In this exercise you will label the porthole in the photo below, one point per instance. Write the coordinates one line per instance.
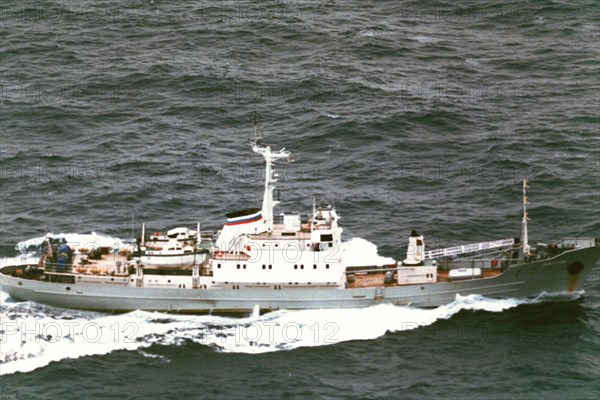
(68, 288)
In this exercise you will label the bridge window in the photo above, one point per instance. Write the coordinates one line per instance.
(327, 238)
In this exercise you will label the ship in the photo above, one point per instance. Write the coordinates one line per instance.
(265, 261)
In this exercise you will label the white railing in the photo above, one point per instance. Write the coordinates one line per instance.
(469, 248)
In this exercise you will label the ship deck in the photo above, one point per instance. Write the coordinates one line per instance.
(106, 265)
(376, 279)
(280, 233)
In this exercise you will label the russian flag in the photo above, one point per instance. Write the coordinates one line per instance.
(244, 219)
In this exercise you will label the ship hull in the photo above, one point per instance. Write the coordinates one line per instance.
(552, 275)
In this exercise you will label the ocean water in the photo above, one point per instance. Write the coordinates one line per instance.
(403, 114)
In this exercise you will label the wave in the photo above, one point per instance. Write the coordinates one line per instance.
(361, 252)
(33, 336)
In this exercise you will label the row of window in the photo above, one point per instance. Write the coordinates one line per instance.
(314, 266)
(278, 287)
(325, 242)
(243, 266)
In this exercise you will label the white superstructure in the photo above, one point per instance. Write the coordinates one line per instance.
(258, 248)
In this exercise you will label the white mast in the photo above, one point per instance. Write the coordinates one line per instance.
(270, 179)
(525, 238)
(314, 214)
(198, 234)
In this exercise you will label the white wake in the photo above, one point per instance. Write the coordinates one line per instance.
(32, 336)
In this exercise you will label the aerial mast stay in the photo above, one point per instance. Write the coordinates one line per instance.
(524, 235)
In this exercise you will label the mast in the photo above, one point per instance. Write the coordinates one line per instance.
(314, 214)
(524, 236)
(270, 178)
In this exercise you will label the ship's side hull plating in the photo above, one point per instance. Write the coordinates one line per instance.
(562, 273)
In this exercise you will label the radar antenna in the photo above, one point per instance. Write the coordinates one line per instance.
(270, 157)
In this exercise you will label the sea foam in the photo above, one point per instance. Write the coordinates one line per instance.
(33, 335)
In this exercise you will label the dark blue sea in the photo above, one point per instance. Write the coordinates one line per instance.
(402, 114)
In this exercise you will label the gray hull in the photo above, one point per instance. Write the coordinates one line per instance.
(517, 281)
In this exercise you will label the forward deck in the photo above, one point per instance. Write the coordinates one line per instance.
(377, 279)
